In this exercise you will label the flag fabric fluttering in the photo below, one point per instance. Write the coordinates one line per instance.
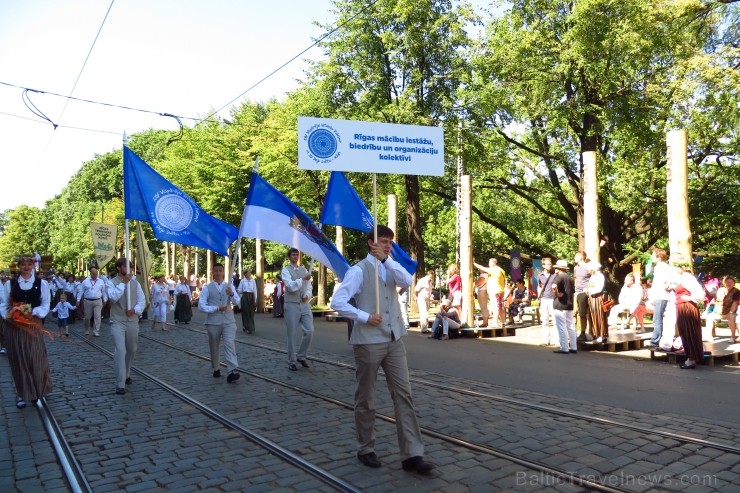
(344, 207)
(270, 215)
(173, 215)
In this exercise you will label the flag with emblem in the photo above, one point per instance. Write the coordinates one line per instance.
(344, 207)
(173, 215)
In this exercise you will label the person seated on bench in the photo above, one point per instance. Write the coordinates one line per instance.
(519, 300)
(446, 319)
(630, 301)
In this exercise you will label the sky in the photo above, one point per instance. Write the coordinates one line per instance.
(183, 57)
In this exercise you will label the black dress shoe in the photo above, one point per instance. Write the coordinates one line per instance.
(369, 459)
(233, 377)
(292, 367)
(417, 464)
(217, 374)
(560, 352)
(129, 381)
(572, 351)
(303, 363)
(120, 391)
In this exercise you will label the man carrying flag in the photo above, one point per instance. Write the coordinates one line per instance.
(376, 342)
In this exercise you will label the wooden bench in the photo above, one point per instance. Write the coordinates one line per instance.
(534, 312)
(615, 343)
(709, 356)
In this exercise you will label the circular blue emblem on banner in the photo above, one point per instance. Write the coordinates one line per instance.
(322, 143)
(173, 212)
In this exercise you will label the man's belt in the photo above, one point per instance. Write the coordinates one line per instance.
(92, 299)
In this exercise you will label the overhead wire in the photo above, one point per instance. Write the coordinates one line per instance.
(79, 74)
(178, 118)
(319, 40)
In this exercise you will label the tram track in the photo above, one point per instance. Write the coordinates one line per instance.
(530, 406)
(538, 467)
(76, 477)
(558, 474)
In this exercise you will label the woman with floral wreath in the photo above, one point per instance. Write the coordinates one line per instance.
(23, 310)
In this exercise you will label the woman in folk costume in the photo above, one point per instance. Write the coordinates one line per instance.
(689, 293)
(160, 302)
(23, 308)
(183, 302)
(278, 299)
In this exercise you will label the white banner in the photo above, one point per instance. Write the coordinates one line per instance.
(348, 145)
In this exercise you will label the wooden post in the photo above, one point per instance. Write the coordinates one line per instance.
(466, 251)
(174, 259)
(340, 239)
(393, 214)
(590, 205)
(166, 258)
(677, 194)
(209, 266)
(259, 275)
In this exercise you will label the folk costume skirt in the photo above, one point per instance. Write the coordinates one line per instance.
(688, 322)
(28, 361)
(183, 308)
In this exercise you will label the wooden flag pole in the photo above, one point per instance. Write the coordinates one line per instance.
(127, 246)
(375, 235)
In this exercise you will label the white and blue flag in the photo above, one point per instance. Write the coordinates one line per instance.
(173, 215)
(270, 215)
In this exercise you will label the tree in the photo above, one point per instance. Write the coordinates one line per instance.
(555, 79)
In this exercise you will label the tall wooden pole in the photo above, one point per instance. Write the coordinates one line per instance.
(259, 274)
(590, 205)
(393, 214)
(466, 250)
(340, 239)
(166, 258)
(677, 194)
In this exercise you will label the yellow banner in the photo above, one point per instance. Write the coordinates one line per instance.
(104, 242)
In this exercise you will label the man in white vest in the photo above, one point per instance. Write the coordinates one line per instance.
(125, 311)
(215, 301)
(297, 304)
(376, 342)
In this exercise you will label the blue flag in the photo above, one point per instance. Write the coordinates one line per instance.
(343, 207)
(270, 215)
(173, 215)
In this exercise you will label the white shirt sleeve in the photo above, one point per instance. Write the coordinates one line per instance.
(351, 285)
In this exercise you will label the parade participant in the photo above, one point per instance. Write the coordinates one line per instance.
(377, 343)
(247, 289)
(581, 275)
(215, 301)
(297, 308)
(423, 291)
(160, 302)
(688, 294)
(125, 311)
(562, 306)
(91, 295)
(278, 298)
(70, 287)
(183, 302)
(63, 309)
(23, 308)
